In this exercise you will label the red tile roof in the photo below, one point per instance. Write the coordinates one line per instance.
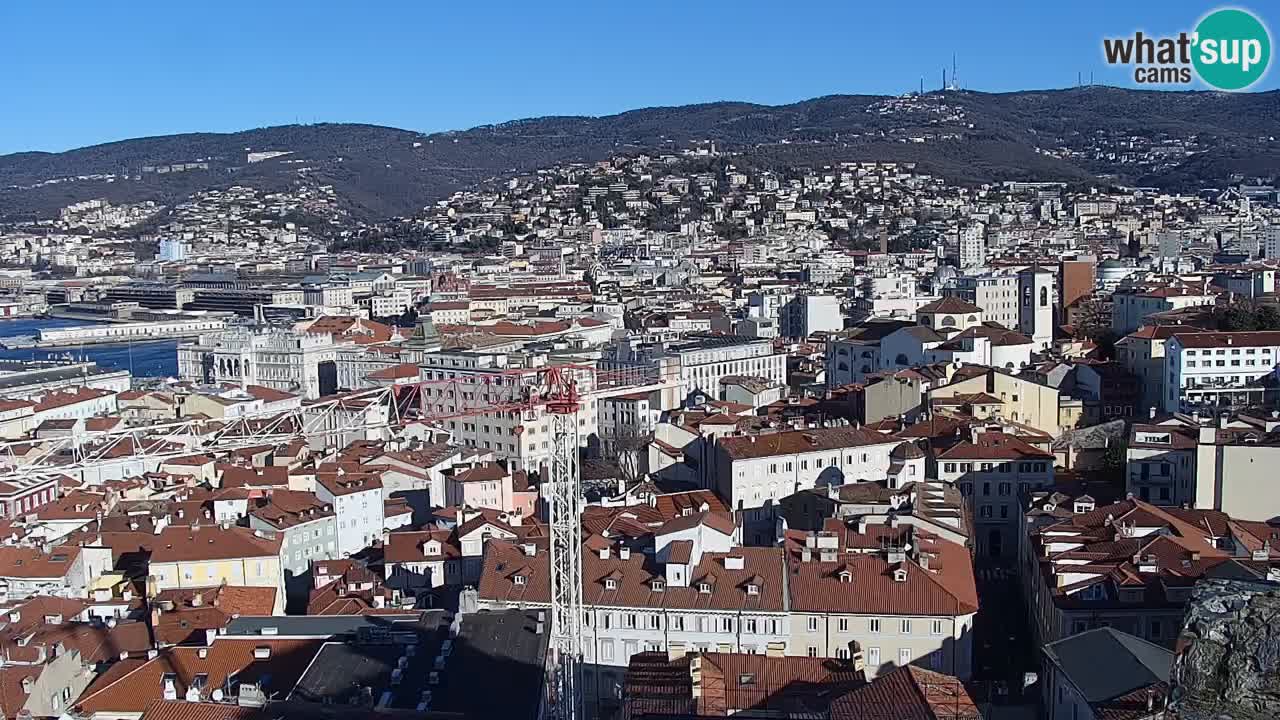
(907, 693)
(132, 686)
(800, 441)
(182, 543)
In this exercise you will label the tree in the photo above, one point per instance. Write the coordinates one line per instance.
(629, 445)
(1236, 317)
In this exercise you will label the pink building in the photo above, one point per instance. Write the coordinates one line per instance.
(490, 485)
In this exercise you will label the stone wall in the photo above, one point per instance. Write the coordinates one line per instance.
(1228, 662)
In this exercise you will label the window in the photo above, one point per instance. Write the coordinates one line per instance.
(843, 624)
(842, 653)
(750, 626)
(873, 657)
(606, 650)
(935, 627)
(904, 656)
(813, 651)
(906, 626)
(813, 624)
(874, 625)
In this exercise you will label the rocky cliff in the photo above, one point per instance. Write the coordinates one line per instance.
(1228, 663)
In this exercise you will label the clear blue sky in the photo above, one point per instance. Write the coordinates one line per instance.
(79, 72)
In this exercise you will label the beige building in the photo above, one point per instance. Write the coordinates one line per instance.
(1021, 401)
(206, 556)
(904, 594)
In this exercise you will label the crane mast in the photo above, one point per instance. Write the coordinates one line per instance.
(564, 685)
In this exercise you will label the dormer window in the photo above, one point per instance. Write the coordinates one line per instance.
(704, 588)
(900, 575)
(610, 584)
(519, 579)
(658, 585)
(846, 576)
(753, 589)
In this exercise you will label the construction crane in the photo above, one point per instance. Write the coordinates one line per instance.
(102, 455)
(565, 518)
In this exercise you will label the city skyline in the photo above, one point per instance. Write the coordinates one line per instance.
(118, 76)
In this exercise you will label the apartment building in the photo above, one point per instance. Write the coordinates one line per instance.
(755, 472)
(995, 295)
(994, 471)
(307, 528)
(1142, 352)
(356, 498)
(1218, 370)
(522, 439)
(725, 601)
(61, 570)
(1133, 308)
(1130, 565)
(198, 556)
(902, 594)
(804, 315)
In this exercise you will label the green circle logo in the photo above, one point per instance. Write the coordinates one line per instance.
(1232, 49)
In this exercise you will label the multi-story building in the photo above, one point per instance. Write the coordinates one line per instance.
(1130, 565)
(1142, 353)
(356, 499)
(1075, 285)
(899, 592)
(62, 570)
(306, 526)
(804, 315)
(1224, 463)
(1019, 399)
(1160, 463)
(994, 471)
(1105, 673)
(1133, 308)
(199, 556)
(855, 353)
(1271, 240)
(996, 295)
(523, 439)
(755, 472)
(704, 360)
(1218, 371)
(687, 595)
(971, 245)
(304, 363)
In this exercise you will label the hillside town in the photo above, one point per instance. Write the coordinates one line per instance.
(847, 441)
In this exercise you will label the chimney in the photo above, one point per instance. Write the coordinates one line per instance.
(855, 655)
